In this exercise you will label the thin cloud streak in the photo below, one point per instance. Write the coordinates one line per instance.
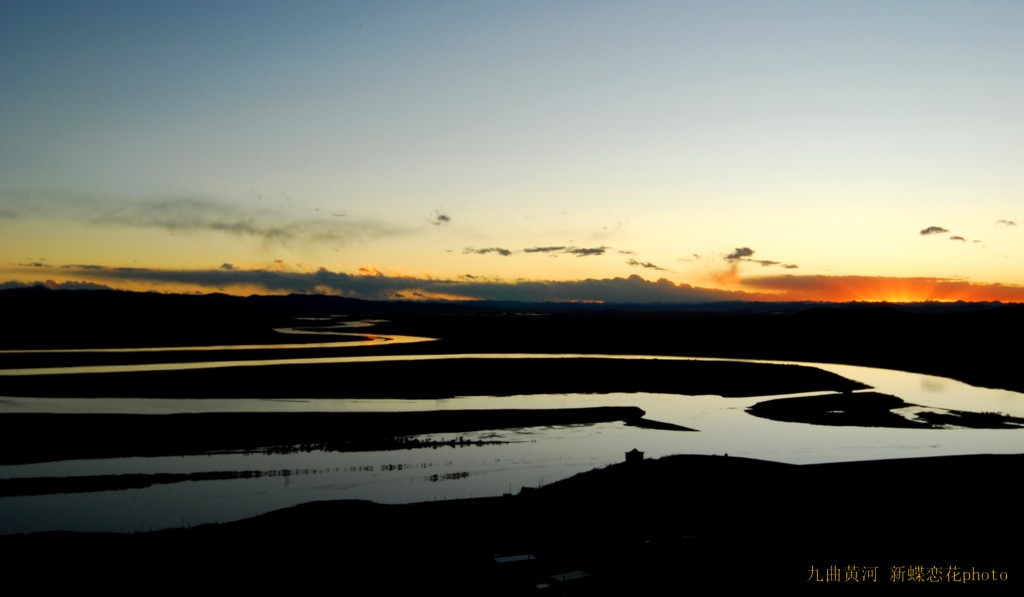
(544, 249)
(645, 264)
(195, 214)
(586, 252)
(499, 250)
(552, 251)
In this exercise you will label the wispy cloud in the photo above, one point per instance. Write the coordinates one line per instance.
(645, 264)
(499, 250)
(196, 215)
(564, 250)
(552, 251)
(1007, 222)
(80, 266)
(933, 230)
(959, 238)
(439, 217)
(745, 254)
(739, 253)
(585, 252)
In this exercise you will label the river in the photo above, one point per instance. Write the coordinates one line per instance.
(524, 457)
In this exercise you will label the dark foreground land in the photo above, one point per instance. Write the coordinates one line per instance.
(703, 525)
(681, 525)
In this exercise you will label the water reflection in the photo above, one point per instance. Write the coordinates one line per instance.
(533, 456)
(915, 388)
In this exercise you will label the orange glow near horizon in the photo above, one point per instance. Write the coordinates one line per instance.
(837, 289)
(884, 290)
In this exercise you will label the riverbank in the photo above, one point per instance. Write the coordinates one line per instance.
(680, 524)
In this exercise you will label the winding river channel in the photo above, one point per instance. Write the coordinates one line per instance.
(504, 461)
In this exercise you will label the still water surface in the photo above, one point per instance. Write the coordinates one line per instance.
(524, 458)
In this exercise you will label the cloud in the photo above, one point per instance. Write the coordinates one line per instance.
(739, 253)
(55, 285)
(586, 252)
(228, 266)
(645, 264)
(196, 215)
(439, 218)
(84, 267)
(498, 250)
(34, 264)
(933, 230)
(384, 287)
(959, 238)
(553, 251)
(1007, 222)
(563, 250)
(75, 285)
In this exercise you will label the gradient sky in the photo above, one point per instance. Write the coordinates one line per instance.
(557, 150)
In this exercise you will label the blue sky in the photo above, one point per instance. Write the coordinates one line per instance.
(510, 143)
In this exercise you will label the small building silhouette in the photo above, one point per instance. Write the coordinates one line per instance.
(634, 456)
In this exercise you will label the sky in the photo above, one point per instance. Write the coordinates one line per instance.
(558, 150)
